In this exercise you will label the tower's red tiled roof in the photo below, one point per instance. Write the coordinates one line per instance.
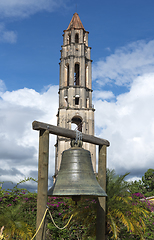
(75, 22)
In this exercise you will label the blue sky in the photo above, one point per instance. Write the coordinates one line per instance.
(121, 35)
(30, 58)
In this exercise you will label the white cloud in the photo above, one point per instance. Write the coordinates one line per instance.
(25, 8)
(6, 35)
(134, 179)
(125, 64)
(103, 94)
(2, 86)
(128, 120)
(19, 143)
(108, 49)
(128, 123)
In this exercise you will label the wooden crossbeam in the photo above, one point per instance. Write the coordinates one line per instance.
(69, 133)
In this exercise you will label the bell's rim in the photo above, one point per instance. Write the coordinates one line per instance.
(69, 192)
(75, 194)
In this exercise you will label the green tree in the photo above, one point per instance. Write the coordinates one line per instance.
(144, 186)
(148, 183)
(136, 187)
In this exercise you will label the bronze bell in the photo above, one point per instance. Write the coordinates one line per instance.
(76, 177)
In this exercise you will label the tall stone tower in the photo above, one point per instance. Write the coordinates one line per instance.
(75, 88)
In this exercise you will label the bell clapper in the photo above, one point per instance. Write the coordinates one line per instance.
(76, 198)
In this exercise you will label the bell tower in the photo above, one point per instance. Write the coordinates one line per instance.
(75, 88)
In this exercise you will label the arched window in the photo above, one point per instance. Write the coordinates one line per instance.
(76, 123)
(76, 100)
(87, 103)
(76, 74)
(69, 37)
(86, 76)
(66, 101)
(76, 38)
(68, 75)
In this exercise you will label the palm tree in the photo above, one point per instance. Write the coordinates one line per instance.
(124, 214)
(122, 211)
(14, 228)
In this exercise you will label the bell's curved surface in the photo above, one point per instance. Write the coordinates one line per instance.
(76, 176)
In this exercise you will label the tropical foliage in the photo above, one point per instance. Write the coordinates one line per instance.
(123, 211)
(126, 214)
(14, 213)
(129, 214)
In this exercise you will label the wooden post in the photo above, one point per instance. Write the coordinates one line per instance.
(101, 203)
(42, 181)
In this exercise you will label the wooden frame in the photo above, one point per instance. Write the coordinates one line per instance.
(46, 129)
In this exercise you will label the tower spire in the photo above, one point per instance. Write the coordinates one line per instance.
(75, 23)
